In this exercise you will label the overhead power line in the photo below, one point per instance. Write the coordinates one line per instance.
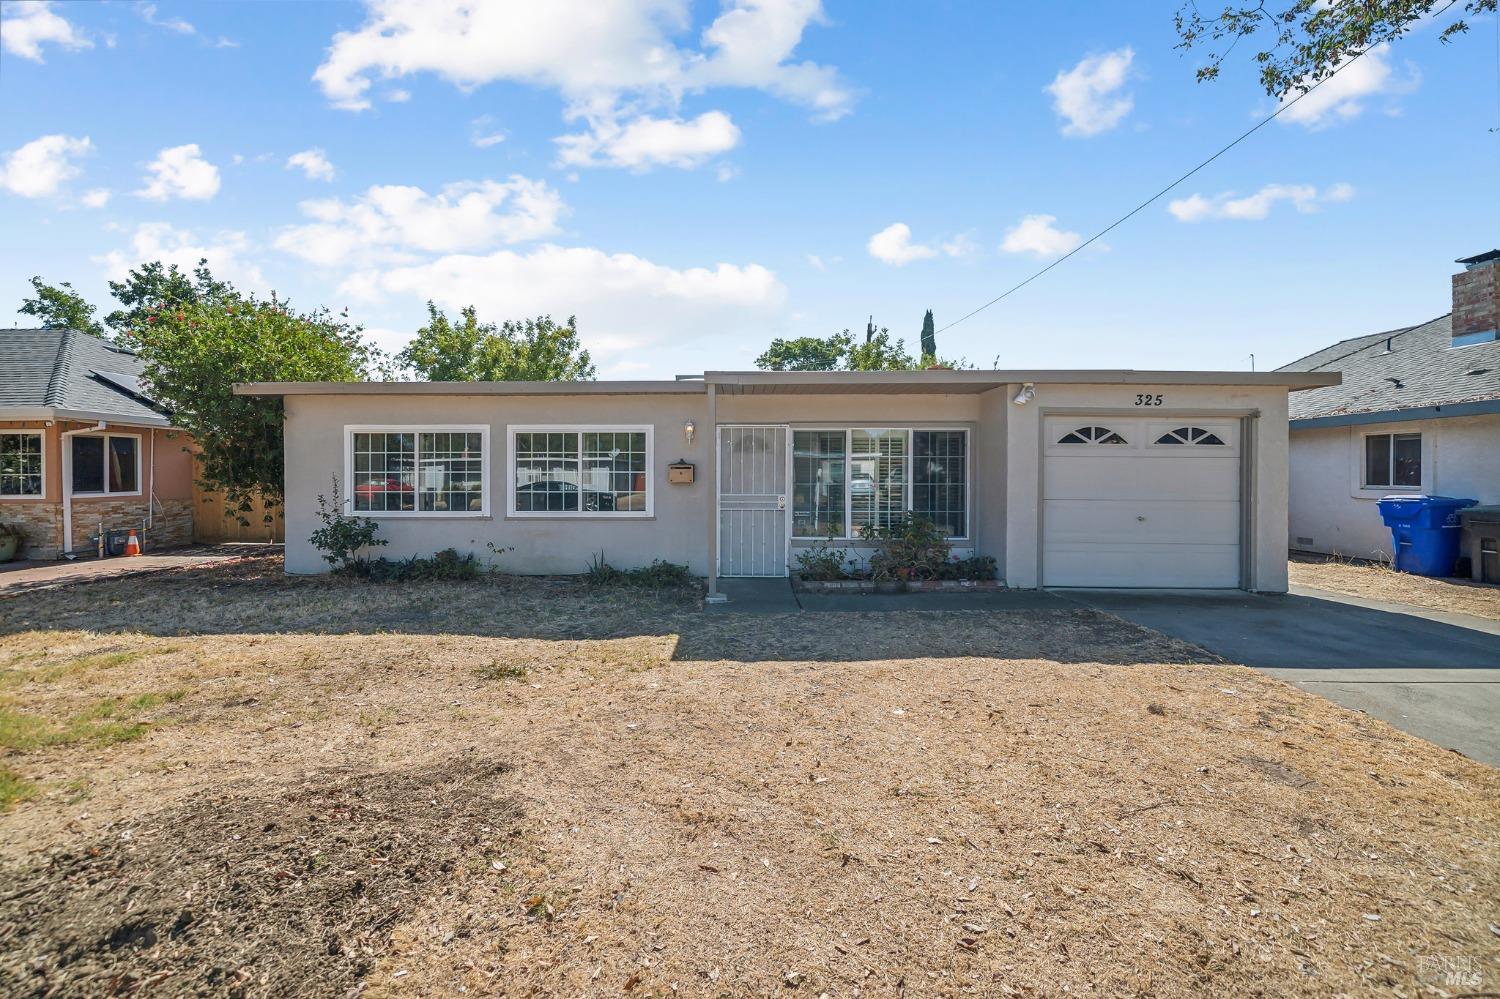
(1159, 194)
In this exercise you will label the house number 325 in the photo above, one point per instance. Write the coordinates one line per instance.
(1148, 400)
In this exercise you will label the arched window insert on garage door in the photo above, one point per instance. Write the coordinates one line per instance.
(1092, 435)
(1190, 435)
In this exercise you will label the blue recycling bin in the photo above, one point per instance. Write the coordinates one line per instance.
(1424, 532)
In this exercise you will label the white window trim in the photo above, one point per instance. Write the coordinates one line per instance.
(29, 497)
(848, 430)
(579, 428)
(1363, 488)
(418, 428)
(79, 494)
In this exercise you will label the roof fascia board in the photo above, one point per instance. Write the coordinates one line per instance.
(1290, 379)
(79, 415)
(1448, 410)
(471, 388)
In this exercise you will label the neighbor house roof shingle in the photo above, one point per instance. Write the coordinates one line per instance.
(73, 373)
(1415, 367)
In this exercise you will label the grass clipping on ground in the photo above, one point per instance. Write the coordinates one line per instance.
(876, 804)
(1381, 582)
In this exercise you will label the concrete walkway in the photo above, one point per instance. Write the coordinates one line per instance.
(23, 577)
(1434, 674)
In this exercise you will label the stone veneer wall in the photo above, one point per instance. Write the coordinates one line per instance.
(40, 523)
(172, 528)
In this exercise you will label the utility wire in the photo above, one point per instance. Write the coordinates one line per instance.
(1159, 194)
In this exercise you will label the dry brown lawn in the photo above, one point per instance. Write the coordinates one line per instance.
(1378, 582)
(243, 784)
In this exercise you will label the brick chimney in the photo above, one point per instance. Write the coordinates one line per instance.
(1476, 299)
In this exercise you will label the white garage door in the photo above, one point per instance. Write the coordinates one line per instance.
(1134, 501)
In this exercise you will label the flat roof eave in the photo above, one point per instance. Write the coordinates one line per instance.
(737, 382)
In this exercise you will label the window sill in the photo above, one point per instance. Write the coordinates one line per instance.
(105, 496)
(23, 498)
(416, 515)
(565, 517)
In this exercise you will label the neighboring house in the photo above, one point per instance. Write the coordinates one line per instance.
(1067, 478)
(81, 445)
(1418, 412)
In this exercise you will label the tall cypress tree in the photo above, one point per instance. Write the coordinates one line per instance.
(929, 337)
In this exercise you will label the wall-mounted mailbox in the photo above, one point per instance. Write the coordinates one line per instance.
(680, 473)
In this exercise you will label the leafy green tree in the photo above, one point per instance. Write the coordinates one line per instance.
(59, 307)
(929, 339)
(195, 352)
(1303, 42)
(152, 288)
(472, 351)
(879, 353)
(806, 353)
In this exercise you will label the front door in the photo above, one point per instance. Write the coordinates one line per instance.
(752, 501)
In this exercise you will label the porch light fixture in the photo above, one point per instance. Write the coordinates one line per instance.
(1027, 393)
(690, 430)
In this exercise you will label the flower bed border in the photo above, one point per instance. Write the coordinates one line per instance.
(896, 585)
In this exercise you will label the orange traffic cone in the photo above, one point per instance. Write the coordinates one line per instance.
(132, 544)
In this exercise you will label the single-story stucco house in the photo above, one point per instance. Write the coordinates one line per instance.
(1418, 412)
(82, 446)
(1067, 478)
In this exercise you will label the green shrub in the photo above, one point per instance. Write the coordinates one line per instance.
(601, 573)
(342, 538)
(660, 574)
(445, 565)
(910, 548)
(823, 561)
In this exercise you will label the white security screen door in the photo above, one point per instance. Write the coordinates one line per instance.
(752, 501)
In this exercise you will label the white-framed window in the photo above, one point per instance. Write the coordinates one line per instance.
(580, 471)
(1392, 460)
(23, 471)
(848, 478)
(105, 464)
(424, 471)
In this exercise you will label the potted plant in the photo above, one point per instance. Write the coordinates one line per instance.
(10, 542)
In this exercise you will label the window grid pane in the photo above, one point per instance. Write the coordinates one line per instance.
(546, 472)
(20, 464)
(122, 477)
(939, 469)
(1378, 460)
(384, 471)
(818, 483)
(614, 472)
(1406, 460)
(877, 477)
(452, 472)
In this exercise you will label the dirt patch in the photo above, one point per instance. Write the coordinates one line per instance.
(250, 890)
(917, 803)
(1378, 582)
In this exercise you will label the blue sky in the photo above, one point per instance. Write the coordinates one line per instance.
(693, 180)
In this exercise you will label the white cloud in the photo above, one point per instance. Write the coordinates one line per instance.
(39, 168)
(1087, 96)
(97, 198)
(893, 245)
(623, 302)
(1039, 234)
(399, 95)
(313, 163)
(1253, 207)
(646, 142)
(1343, 96)
(614, 63)
(177, 24)
(388, 223)
(483, 133)
(225, 252)
(180, 172)
(31, 25)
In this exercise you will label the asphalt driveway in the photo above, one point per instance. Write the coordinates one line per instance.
(1432, 674)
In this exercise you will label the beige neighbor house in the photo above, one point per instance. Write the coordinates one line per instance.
(83, 448)
(1067, 478)
(1418, 411)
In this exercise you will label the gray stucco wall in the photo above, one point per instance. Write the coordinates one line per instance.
(675, 532)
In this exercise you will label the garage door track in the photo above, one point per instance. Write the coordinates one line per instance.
(1432, 674)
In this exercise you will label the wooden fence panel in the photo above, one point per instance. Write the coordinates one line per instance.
(211, 525)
